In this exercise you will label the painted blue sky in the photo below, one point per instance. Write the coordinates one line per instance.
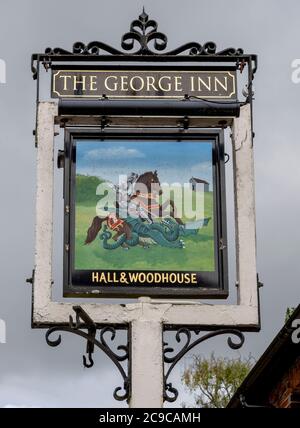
(176, 162)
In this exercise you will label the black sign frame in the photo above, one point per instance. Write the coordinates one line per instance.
(216, 284)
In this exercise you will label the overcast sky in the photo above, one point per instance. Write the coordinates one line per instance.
(33, 374)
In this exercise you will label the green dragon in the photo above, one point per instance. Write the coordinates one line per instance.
(165, 234)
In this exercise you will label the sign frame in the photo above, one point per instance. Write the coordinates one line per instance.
(220, 276)
(243, 313)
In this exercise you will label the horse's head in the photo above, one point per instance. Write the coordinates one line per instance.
(148, 183)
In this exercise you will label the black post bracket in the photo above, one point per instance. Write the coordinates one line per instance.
(189, 342)
(85, 327)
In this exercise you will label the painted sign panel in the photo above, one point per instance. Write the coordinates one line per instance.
(212, 84)
(144, 214)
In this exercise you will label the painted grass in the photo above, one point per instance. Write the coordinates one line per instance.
(197, 256)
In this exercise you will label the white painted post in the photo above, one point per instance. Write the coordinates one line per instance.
(243, 167)
(44, 214)
(146, 364)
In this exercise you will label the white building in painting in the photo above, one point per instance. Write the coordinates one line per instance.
(195, 184)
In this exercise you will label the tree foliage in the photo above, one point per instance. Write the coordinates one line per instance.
(86, 187)
(213, 381)
(289, 313)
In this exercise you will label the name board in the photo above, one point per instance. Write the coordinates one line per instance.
(148, 84)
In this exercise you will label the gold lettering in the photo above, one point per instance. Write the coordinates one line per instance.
(141, 83)
(224, 86)
(115, 84)
(65, 88)
(93, 82)
(133, 277)
(172, 278)
(142, 277)
(150, 277)
(165, 89)
(95, 276)
(164, 277)
(187, 278)
(157, 278)
(192, 83)
(79, 82)
(102, 278)
(206, 84)
(150, 82)
(124, 82)
(180, 278)
(178, 84)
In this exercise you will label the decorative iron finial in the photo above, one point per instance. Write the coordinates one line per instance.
(144, 31)
(143, 15)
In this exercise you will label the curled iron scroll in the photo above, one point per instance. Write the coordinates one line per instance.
(184, 335)
(79, 328)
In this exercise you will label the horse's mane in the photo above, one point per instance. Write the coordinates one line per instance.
(146, 179)
(141, 178)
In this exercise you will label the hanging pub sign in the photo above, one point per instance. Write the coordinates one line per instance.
(216, 83)
(145, 214)
(144, 182)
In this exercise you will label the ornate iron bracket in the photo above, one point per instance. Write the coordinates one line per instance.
(84, 322)
(171, 393)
